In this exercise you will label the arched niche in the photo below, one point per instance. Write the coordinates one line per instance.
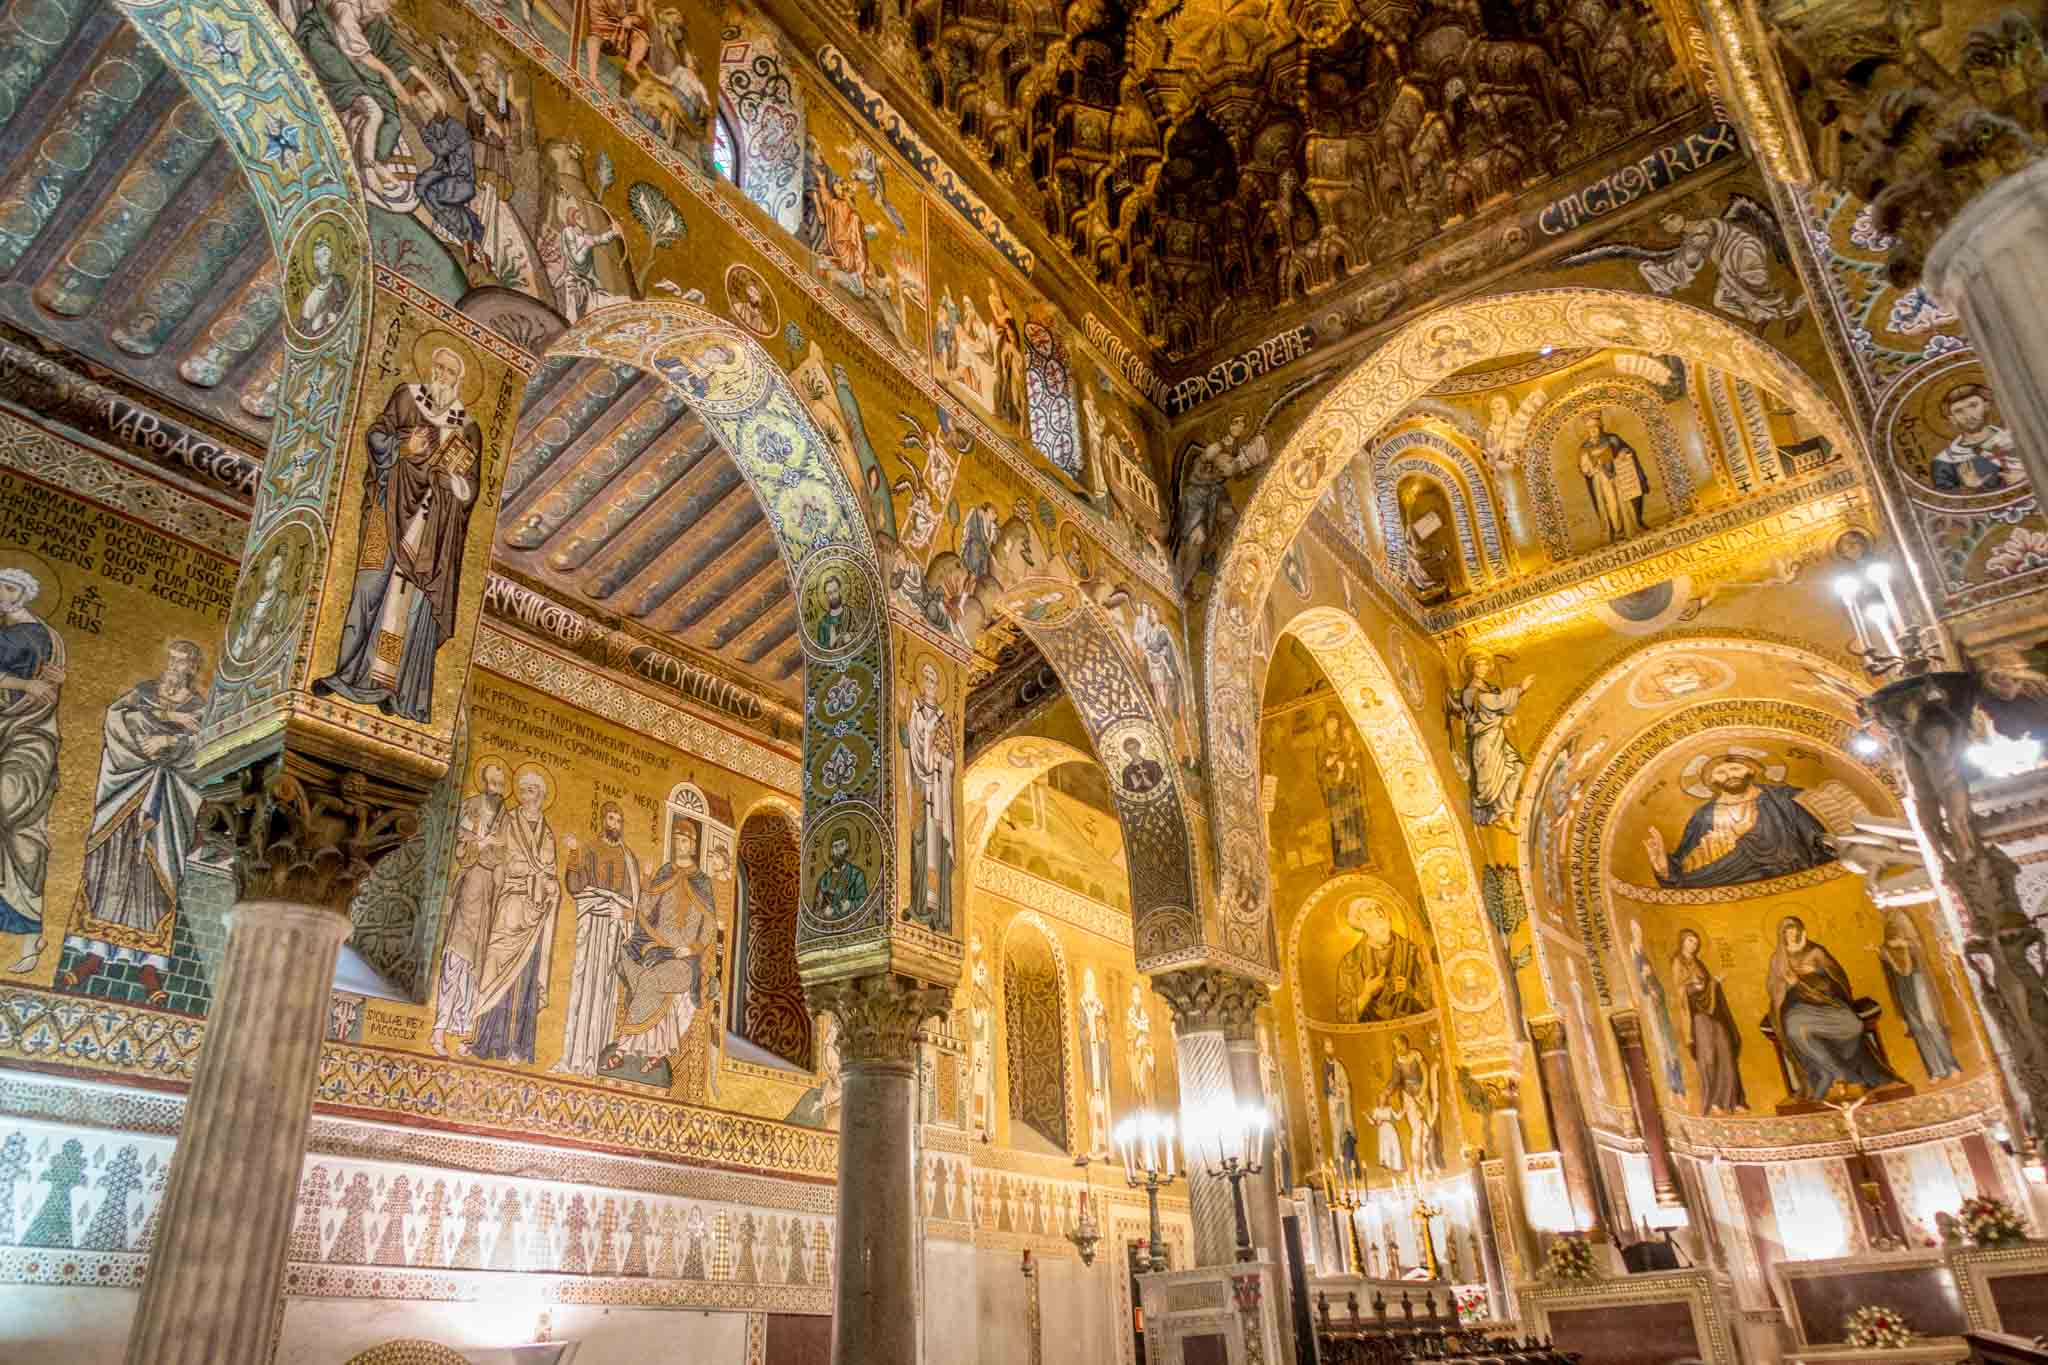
(1475, 999)
(1701, 888)
(768, 1007)
(1353, 410)
(1037, 997)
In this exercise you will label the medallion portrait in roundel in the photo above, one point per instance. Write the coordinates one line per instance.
(1947, 436)
(837, 606)
(321, 269)
(841, 867)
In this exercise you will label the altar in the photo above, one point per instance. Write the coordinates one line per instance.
(1214, 1315)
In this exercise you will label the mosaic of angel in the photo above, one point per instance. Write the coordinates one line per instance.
(1738, 247)
(1482, 748)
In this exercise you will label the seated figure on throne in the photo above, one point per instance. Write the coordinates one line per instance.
(1819, 1022)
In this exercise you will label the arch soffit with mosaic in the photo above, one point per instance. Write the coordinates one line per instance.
(998, 777)
(1484, 558)
(821, 529)
(1376, 391)
(1475, 1000)
(1159, 813)
(1345, 885)
(238, 62)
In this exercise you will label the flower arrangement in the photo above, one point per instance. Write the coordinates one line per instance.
(1991, 1222)
(1571, 1258)
(1473, 1303)
(1876, 1327)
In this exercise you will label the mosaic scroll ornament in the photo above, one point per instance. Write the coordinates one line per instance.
(1133, 748)
(1435, 840)
(747, 403)
(241, 66)
(1412, 362)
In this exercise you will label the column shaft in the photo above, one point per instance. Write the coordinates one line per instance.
(1204, 1060)
(1568, 1121)
(216, 1271)
(1504, 1135)
(1635, 1062)
(875, 1316)
(1262, 1191)
(874, 1293)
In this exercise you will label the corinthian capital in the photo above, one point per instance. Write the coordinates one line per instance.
(1204, 998)
(879, 1015)
(1547, 1033)
(1628, 1027)
(304, 830)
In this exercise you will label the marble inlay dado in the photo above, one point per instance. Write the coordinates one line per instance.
(80, 1205)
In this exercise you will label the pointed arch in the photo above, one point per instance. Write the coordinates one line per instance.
(241, 66)
(1376, 391)
(999, 776)
(821, 530)
(1126, 707)
(1476, 992)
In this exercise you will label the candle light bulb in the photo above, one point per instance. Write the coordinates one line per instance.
(1880, 573)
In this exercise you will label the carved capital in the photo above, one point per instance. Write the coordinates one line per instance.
(1628, 1028)
(1547, 1033)
(305, 830)
(1496, 1090)
(879, 1016)
(1204, 998)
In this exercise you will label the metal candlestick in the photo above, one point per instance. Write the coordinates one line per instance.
(1146, 1142)
(1234, 1141)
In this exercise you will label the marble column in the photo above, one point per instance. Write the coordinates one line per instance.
(1215, 1029)
(304, 834)
(1642, 1091)
(1568, 1121)
(1489, 1267)
(1211, 1009)
(1990, 265)
(1503, 1092)
(875, 1308)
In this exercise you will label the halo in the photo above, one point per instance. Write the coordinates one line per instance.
(476, 771)
(1756, 760)
(50, 596)
(1934, 411)
(423, 361)
(523, 769)
(1900, 913)
(913, 674)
